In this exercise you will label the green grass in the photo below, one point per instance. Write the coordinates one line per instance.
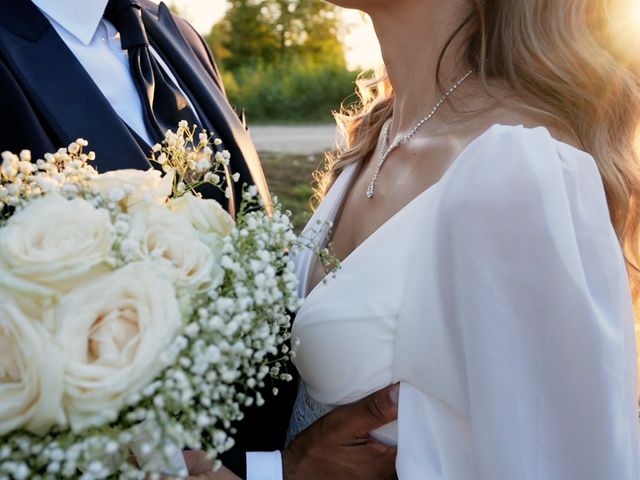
(290, 179)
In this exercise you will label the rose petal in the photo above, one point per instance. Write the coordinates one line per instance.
(113, 331)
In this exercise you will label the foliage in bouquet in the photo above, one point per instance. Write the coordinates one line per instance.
(134, 314)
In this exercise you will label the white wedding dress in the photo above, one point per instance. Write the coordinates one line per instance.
(498, 298)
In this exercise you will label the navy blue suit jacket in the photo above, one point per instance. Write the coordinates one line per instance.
(48, 100)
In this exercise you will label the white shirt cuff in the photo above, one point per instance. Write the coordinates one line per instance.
(264, 466)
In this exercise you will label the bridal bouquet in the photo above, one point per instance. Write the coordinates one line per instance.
(134, 315)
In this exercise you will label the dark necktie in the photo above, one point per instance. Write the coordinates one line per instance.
(164, 106)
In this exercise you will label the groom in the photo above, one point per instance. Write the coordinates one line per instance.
(119, 73)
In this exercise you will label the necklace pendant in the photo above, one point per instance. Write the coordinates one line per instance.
(371, 190)
(385, 152)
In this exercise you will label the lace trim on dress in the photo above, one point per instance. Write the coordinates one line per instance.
(305, 412)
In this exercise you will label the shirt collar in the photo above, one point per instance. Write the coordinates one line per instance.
(79, 17)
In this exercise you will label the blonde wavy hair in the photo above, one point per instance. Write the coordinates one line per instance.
(573, 60)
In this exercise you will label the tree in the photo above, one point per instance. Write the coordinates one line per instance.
(324, 32)
(264, 32)
(242, 38)
(306, 28)
(282, 60)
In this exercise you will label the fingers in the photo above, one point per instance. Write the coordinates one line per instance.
(382, 406)
(221, 474)
(197, 462)
(201, 468)
(340, 442)
(381, 458)
(365, 460)
(224, 474)
(372, 412)
(383, 451)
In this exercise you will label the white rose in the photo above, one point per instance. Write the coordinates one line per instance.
(30, 373)
(57, 242)
(135, 186)
(34, 300)
(113, 332)
(170, 240)
(206, 216)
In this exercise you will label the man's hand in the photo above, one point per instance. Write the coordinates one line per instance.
(339, 445)
(201, 468)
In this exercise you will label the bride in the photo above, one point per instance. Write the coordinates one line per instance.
(486, 213)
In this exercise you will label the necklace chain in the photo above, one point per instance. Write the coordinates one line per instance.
(386, 152)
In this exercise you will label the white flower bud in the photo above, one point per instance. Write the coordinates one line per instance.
(9, 166)
(203, 165)
(73, 148)
(25, 155)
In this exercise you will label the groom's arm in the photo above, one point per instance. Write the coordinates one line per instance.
(201, 50)
(336, 446)
(21, 125)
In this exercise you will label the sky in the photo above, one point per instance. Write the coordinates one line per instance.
(362, 46)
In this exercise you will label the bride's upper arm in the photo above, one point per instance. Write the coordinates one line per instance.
(542, 303)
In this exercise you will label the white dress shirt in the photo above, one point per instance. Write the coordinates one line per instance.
(96, 44)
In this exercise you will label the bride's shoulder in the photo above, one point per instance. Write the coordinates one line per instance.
(515, 125)
(510, 138)
(518, 161)
(502, 107)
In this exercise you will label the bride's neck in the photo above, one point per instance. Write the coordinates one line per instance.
(412, 35)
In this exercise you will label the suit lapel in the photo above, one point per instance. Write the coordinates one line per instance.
(201, 86)
(63, 92)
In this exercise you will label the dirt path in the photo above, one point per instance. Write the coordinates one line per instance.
(294, 139)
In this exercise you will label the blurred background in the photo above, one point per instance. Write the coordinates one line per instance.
(288, 64)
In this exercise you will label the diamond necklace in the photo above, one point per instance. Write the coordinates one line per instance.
(385, 152)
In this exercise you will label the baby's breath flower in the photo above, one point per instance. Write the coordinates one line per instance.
(9, 168)
(203, 165)
(73, 148)
(233, 333)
